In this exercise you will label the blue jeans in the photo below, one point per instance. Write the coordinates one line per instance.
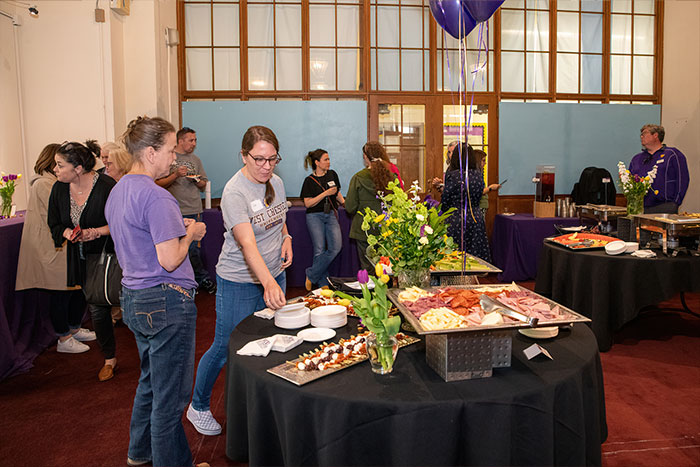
(327, 241)
(163, 322)
(235, 301)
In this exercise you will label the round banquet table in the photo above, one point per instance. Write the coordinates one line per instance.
(611, 290)
(537, 412)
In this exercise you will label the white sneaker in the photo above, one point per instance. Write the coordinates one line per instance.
(71, 345)
(203, 421)
(84, 335)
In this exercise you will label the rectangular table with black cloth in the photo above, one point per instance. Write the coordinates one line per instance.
(345, 264)
(516, 242)
(25, 325)
(537, 412)
(611, 290)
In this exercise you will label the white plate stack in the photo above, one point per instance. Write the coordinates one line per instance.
(329, 316)
(293, 316)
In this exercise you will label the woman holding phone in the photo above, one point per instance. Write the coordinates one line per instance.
(77, 218)
(250, 274)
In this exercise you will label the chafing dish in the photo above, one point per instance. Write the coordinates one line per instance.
(669, 226)
(601, 212)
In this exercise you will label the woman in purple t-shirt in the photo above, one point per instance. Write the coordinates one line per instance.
(151, 240)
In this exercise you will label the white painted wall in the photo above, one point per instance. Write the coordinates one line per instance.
(680, 110)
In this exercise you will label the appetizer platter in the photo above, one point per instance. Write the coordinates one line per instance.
(452, 264)
(583, 241)
(479, 308)
(325, 296)
(329, 358)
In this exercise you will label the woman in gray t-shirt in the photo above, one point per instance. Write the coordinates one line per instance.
(250, 274)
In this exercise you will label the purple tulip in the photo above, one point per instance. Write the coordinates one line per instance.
(5, 178)
(362, 276)
(422, 230)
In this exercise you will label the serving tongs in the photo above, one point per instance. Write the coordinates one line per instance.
(490, 304)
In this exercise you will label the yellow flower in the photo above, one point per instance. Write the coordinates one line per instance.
(386, 233)
(379, 218)
(379, 269)
(19, 176)
(646, 178)
(384, 278)
(656, 192)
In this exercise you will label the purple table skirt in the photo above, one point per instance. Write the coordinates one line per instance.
(517, 240)
(345, 264)
(25, 325)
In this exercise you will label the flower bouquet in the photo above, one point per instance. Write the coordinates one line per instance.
(7, 189)
(373, 309)
(635, 187)
(411, 234)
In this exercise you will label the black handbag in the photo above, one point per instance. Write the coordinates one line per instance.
(104, 279)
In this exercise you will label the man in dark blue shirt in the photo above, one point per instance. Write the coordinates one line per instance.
(672, 176)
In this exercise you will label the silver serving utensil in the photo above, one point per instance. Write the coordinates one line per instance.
(489, 304)
(295, 300)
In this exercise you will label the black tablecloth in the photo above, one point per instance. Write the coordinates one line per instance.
(345, 264)
(612, 289)
(538, 412)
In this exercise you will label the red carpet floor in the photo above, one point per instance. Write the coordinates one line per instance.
(58, 414)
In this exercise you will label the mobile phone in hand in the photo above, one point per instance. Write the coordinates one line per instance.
(77, 231)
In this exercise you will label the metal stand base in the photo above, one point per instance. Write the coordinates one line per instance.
(468, 355)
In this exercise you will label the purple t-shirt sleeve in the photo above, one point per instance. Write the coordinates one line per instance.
(164, 219)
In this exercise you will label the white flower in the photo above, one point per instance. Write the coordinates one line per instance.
(423, 240)
(420, 217)
(428, 229)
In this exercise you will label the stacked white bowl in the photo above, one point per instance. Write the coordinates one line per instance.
(329, 316)
(293, 316)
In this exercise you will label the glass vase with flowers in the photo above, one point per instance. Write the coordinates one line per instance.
(410, 233)
(635, 187)
(8, 183)
(373, 309)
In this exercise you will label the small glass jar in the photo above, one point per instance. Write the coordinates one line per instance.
(382, 353)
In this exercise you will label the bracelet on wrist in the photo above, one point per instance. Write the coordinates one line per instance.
(287, 236)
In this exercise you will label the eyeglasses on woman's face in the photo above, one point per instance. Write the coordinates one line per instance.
(261, 161)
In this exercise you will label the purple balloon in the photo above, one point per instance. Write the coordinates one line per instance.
(481, 10)
(452, 17)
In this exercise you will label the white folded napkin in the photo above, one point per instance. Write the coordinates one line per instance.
(285, 342)
(644, 254)
(265, 313)
(257, 348)
(262, 347)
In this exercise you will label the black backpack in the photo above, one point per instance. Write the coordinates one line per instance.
(591, 189)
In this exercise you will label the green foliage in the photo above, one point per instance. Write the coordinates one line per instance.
(411, 234)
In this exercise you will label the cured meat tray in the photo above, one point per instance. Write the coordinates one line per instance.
(289, 370)
(583, 241)
(568, 316)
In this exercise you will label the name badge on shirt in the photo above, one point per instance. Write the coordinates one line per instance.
(331, 183)
(256, 205)
(660, 161)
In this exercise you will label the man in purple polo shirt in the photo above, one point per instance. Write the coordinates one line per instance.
(672, 176)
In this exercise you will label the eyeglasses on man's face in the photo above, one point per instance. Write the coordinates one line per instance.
(261, 161)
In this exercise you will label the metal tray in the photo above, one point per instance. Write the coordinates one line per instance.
(601, 212)
(288, 370)
(393, 295)
(584, 235)
(485, 267)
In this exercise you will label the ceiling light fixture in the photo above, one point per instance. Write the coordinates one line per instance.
(33, 10)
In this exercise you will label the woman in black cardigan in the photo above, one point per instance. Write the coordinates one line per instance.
(78, 198)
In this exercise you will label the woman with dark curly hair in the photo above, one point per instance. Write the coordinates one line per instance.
(77, 219)
(362, 194)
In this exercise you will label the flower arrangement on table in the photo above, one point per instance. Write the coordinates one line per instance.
(635, 187)
(410, 233)
(7, 189)
(373, 309)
